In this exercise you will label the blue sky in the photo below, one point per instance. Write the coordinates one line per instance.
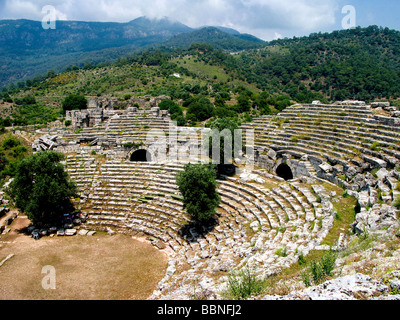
(267, 19)
(381, 13)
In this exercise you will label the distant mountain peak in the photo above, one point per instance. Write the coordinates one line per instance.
(224, 29)
(150, 20)
(216, 37)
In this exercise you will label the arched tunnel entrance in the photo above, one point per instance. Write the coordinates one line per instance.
(284, 172)
(141, 156)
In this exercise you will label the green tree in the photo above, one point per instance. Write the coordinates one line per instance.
(3, 161)
(243, 104)
(174, 110)
(10, 143)
(41, 187)
(198, 186)
(74, 102)
(201, 109)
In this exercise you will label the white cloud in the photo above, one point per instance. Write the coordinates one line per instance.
(21, 9)
(260, 17)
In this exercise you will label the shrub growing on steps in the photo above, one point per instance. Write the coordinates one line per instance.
(198, 186)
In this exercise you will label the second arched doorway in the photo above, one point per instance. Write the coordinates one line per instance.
(284, 172)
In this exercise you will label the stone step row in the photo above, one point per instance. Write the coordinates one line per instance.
(347, 138)
(328, 112)
(356, 123)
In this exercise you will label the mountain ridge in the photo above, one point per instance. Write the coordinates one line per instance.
(215, 37)
(27, 50)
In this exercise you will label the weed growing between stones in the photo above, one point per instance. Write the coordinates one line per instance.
(320, 270)
(244, 284)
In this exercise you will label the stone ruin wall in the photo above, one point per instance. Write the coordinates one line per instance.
(102, 109)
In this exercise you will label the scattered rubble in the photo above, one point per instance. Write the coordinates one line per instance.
(44, 143)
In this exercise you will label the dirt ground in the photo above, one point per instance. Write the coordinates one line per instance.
(99, 267)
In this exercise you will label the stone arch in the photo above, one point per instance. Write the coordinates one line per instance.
(284, 171)
(141, 155)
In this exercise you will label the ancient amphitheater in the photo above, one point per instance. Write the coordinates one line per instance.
(278, 205)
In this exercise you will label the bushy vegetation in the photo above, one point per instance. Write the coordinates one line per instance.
(396, 203)
(33, 114)
(174, 110)
(41, 187)
(74, 102)
(244, 284)
(27, 100)
(12, 151)
(333, 66)
(27, 110)
(320, 270)
(199, 109)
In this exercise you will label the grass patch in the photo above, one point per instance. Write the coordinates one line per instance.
(177, 197)
(244, 284)
(281, 252)
(375, 146)
(396, 203)
(299, 270)
(360, 243)
(203, 69)
(344, 217)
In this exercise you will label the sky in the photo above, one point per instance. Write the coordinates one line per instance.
(266, 19)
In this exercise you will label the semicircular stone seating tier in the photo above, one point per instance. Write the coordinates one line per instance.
(256, 221)
(347, 145)
(335, 133)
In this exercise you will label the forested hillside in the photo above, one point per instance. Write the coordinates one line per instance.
(28, 50)
(361, 64)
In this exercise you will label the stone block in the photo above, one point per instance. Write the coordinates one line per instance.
(83, 232)
(326, 167)
(382, 173)
(70, 232)
(271, 154)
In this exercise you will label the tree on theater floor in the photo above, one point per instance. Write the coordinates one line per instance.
(41, 187)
